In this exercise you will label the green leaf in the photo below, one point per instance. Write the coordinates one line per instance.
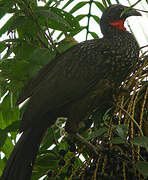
(81, 16)
(5, 5)
(6, 26)
(7, 147)
(73, 33)
(109, 2)
(78, 6)
(13, 127)
(49, 3)
(142, 166)
(26, 27)
(2, 46)
(122, 131)
(97, 133)
(94, 35)
(60, 35)
(47, 160)
(3, 136)
(8, 53)
(54, 21)
(140, 141)
(2, 122)
(41, 56)
(96, 18)
(117, 140)
(23, 50)
(99, 5)
(67, 4)
(14, 69)
(49, 139)
(17, 22)
(2, 165)
(70, 19)
(104, 3)
(10, 113)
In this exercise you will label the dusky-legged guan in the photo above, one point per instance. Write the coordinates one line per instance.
(73, 84)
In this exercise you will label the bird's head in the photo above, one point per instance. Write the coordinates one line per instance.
(114, 16)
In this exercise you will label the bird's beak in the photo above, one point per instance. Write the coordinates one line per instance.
(130, 12)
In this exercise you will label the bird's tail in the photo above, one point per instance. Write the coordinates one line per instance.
(20, 163)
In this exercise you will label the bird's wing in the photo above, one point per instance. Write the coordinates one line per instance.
(75, 72)
(33, 83)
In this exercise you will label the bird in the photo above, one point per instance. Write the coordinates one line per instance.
(75, 82)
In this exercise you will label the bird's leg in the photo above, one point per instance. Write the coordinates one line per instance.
(72, 127)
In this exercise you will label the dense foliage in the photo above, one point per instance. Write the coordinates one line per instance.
(35, 35)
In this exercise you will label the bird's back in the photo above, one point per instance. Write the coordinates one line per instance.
(78, 71)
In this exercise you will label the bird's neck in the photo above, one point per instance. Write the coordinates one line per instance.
(118, 24)
(113, 31)
(110, 28)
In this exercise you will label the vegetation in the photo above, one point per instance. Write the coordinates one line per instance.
(35, 35)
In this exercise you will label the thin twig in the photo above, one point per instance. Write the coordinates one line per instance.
(132, 119)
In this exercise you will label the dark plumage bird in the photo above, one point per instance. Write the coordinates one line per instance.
(73, 84)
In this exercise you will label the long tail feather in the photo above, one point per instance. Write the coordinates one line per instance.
(20, 163)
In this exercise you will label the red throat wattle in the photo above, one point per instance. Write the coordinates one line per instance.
(118, 24)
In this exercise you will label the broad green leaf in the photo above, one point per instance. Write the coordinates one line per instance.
(72, 33)
(23, 50)
(13, 127)
(17, 22)
(140, 141)
(5, 6)
(78, 6)
(10, 114)
(118, 140)
(7, 147)
(14, 69)
(3, 136)
(97, 133)
(58, 19)
(99, 5)
(2, 165)
(70, 19)
(47, 160)
(49, 139)
(54, 21)
(122, 131)
(27, 27)
(142, 166)
(41, 56)
(2, 122)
